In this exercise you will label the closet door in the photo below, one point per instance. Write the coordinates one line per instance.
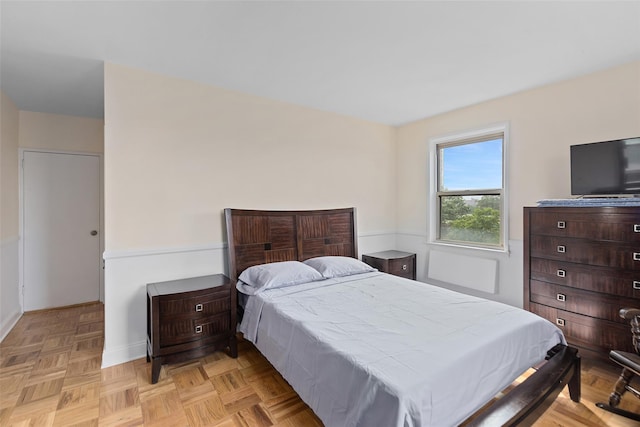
(61, 217)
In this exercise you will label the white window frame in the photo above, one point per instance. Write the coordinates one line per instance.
(433, 208)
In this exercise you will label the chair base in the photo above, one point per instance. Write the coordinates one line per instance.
(627, 414)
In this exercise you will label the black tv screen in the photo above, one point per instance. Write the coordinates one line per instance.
(606, 168)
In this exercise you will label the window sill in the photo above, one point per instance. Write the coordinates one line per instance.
(485, 249)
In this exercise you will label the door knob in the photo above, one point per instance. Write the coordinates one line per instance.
(94, 232)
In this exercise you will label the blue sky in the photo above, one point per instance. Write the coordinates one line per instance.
(473, 166)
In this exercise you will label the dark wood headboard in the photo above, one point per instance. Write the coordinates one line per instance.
(259, 237)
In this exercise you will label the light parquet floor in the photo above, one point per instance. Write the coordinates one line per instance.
(50, 376)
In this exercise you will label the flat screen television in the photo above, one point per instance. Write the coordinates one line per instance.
(606, 168)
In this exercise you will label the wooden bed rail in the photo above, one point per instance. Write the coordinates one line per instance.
(523, 405)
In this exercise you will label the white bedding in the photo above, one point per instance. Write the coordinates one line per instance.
(379, 350)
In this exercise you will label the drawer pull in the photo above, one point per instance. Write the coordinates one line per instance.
(561, 249)
(198, 307)
(561, 273)
(636, 284)
(198, 329)
(636, 256)
(404, 267)
(636, 228)
(561, 297)
(561, 224)
(560, 322)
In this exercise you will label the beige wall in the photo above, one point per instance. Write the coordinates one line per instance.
(61, 133)
(9, 205)
(9, 164)
(544, 122)
(177, 153)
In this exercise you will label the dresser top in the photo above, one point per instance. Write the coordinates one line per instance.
(187, 285)
(390, 254)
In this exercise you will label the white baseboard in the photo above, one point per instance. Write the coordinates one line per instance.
(118, 355)
(128, 272)
(8, 324)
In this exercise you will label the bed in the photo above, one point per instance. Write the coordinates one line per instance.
(364, 348)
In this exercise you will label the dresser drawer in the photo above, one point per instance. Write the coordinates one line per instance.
(211, 303)
(191, 329)
(624, 283)
(599, 253)
(591, 304)
(587, 331)
(587, 225)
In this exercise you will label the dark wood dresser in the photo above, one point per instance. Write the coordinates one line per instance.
(189, 318)
(398, 263)
(581, 265)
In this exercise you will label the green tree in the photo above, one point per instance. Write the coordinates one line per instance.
(492, 202)
(482, 225)
(453, 207)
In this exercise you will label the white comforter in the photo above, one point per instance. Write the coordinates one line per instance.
(378, 350)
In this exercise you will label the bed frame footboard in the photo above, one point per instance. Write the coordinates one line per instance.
(523, 405)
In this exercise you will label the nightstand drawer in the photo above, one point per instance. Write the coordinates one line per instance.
(185, 330)
(403, 267)
(206, 304)
(398, 263)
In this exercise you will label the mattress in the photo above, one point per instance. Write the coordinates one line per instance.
(379, 350)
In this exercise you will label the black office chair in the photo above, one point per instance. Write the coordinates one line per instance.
(630, 367)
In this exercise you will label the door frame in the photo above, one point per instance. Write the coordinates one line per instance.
(21, 213)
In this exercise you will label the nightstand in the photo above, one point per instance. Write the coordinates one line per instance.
(189, 318)
(398, 263)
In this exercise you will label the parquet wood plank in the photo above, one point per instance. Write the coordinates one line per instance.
(164, 409)
(84, 366)
(220, 366)
(79, 396)
(206, 411)
(71, 381)
(239, 399)
(40, 388)
(129, 417)
(287, 406)
(40, 419)
(58, 344)
(118, 401)
(81, 415)
(11, 387)
(193, 387)
(50, 375)
(256, 415)
(44, 408)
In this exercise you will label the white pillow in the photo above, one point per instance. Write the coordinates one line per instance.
(275, 275)
(338, 266)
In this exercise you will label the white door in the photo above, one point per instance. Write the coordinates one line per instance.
(61, 217)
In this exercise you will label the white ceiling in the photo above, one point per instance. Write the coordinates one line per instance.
(385, 61)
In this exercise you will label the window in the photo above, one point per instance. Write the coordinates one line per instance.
(468, 189)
